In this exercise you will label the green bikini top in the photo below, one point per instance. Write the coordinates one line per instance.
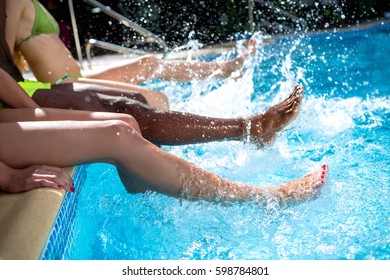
(44, 23)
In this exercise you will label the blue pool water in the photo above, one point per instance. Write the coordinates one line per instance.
(344, 123)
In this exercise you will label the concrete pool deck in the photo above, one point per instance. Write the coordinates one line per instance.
(26, 220)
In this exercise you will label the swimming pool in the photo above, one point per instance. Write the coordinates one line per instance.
(344, 122)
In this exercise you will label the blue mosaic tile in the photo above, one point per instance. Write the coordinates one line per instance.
(58, 240)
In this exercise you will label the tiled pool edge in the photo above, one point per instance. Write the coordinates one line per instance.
(58, 242)
(26, 220)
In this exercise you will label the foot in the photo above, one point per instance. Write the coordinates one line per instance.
(236, 64)
(301, 189)
(263, 128)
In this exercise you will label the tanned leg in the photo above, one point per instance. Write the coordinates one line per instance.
(172, 127)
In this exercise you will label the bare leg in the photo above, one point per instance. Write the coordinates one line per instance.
(70, 143)
(50, 114)
(159, 127)
(171, 127)
(183, 71)
(155, 99)
(151, 67)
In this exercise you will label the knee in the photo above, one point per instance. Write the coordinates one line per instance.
(160, 102)
(130, 121)
(149, 61)
(164, 99)
(123, 130)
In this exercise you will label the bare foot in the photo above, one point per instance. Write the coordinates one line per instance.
(263, 128)
(301, 189)
(237, 63)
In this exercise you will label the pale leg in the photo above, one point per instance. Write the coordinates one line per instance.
(150, 67)
(70, 143)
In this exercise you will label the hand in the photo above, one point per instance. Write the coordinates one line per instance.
(36, 176)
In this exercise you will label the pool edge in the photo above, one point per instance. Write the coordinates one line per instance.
(26, 221)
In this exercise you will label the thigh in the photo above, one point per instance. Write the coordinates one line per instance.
(134, 72)
(52, 114)
(154, 99)
(106, 88)
(54, 143)
(71, 96)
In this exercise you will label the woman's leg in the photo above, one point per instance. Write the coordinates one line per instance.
(70, 143)
(155, 99)
(151, 67)
(172, 127)
(50, 114)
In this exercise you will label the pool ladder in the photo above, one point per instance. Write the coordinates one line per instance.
(109, 46)
(154, 38)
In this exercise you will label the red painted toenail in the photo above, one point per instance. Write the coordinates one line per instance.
(324, 166)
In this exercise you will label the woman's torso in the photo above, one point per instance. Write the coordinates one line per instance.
(47, 56)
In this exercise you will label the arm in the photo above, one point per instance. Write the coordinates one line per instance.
(20, 180)
(12, 94)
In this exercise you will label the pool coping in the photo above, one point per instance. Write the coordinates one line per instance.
(26, 220)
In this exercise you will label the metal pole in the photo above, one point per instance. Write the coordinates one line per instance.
(125, 21)
(250, 12)
(75, 32)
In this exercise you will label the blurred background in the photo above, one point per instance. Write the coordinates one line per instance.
(210, 22)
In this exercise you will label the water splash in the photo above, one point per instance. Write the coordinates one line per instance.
(343, 124)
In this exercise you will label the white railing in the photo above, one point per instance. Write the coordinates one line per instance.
(109, 46)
